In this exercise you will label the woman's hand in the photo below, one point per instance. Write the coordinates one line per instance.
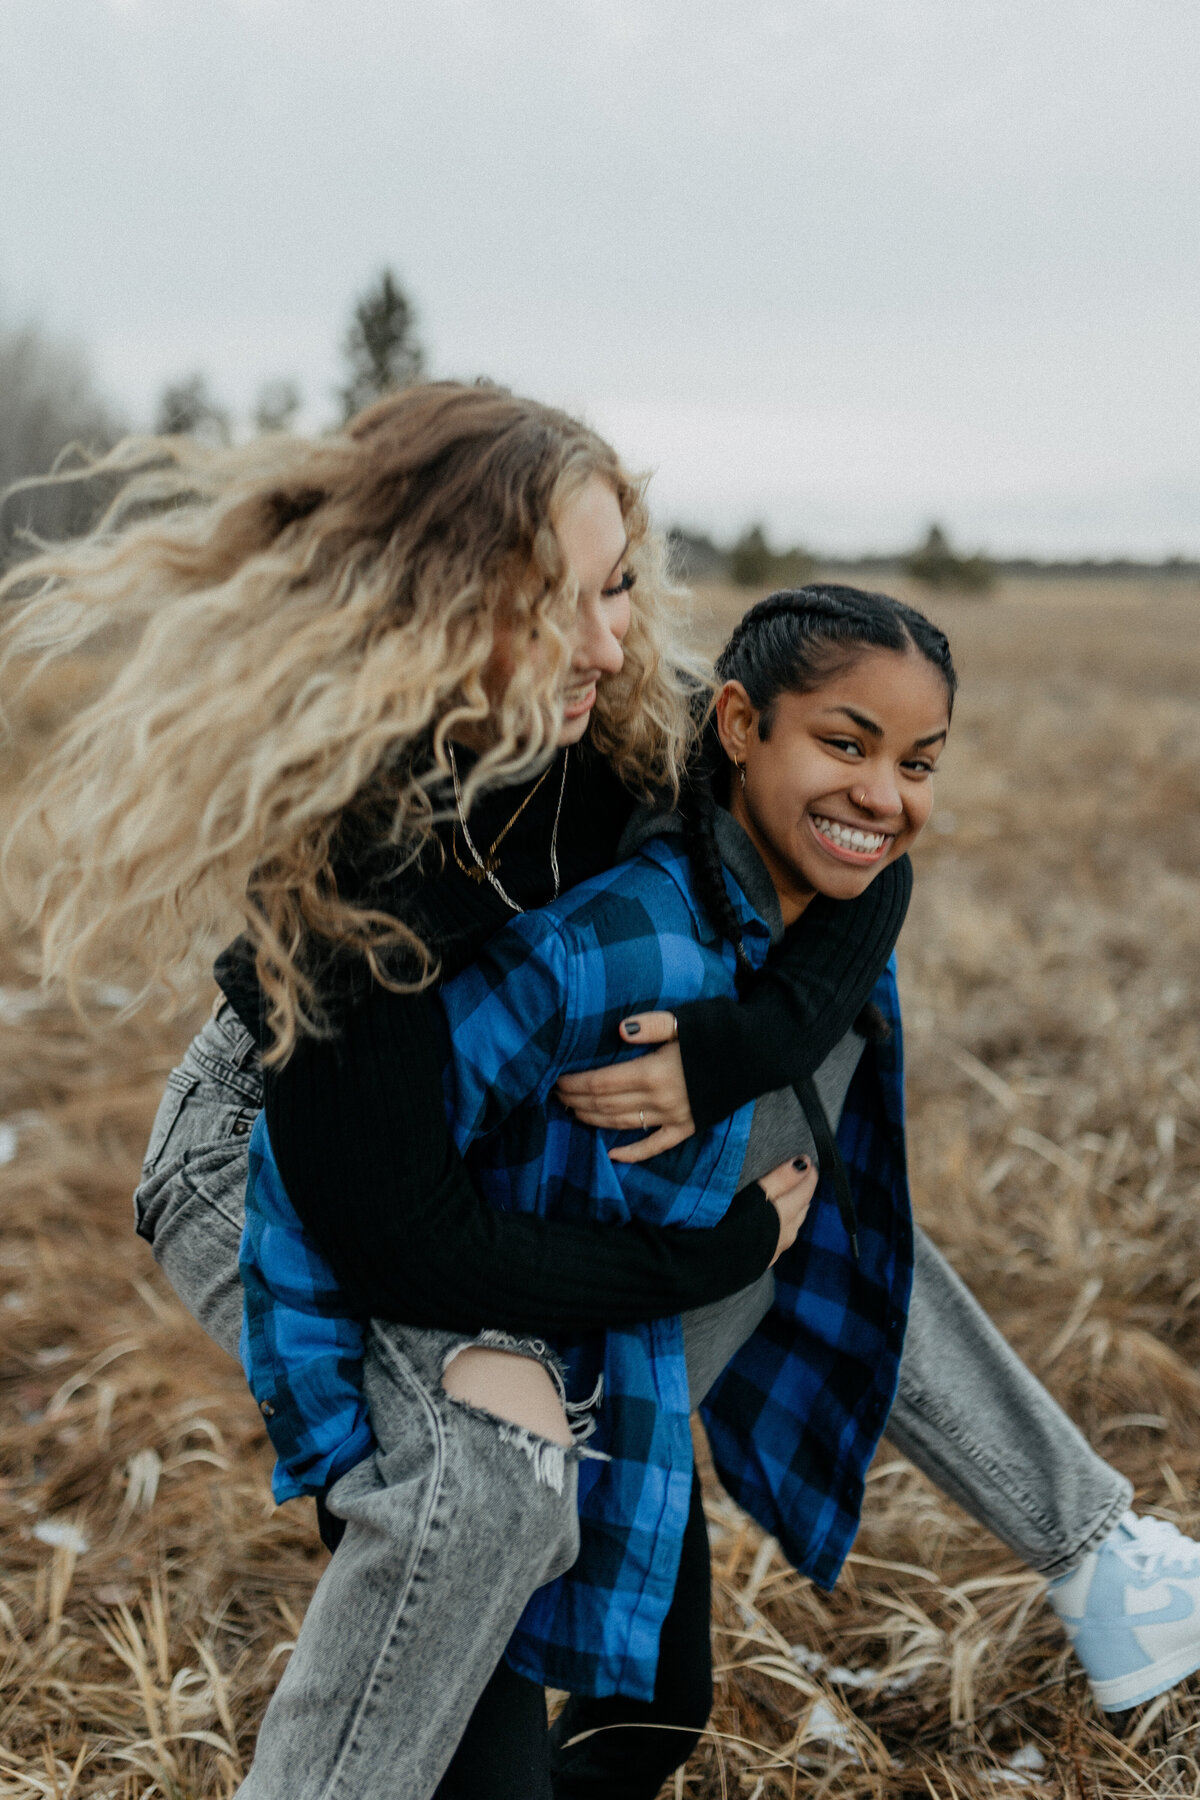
(648, 1094)
(790, 1189)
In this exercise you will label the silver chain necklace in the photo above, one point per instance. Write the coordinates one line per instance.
(487, 873)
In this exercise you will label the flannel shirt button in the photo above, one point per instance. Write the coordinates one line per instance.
(266, 1409)
(241, 1128)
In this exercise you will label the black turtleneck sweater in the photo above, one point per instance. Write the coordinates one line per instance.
(358, 1123)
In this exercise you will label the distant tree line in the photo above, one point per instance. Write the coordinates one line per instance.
(51, 413)
(751, 562)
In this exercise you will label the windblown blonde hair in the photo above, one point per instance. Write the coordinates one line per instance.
(302, 626)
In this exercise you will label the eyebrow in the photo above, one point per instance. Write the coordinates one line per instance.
(860, 719)
(876, 731)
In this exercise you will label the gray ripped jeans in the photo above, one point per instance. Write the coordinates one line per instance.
(449, 1528)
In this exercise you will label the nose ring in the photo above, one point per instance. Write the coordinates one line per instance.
(860, 799)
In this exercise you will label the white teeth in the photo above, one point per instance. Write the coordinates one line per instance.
(849, 837)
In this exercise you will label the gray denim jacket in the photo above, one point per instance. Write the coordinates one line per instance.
(190, 1204)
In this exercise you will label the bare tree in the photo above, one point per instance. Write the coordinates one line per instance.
(277, 405)
(48, 403)
(381, 347)
(186, 408)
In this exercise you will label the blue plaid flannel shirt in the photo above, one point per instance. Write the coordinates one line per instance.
(795, 1418)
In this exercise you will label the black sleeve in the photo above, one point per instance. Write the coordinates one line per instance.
(359, 1131)
(806, 999)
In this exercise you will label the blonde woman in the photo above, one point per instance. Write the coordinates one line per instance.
(351, 708)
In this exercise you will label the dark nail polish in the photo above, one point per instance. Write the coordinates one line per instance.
(800, 1162)
(632, 1028)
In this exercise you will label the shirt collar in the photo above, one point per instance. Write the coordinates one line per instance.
(757, 903)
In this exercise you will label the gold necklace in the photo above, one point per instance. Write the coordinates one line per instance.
(488, 864)
(485, 866)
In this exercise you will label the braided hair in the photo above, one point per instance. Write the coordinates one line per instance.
(792, 642)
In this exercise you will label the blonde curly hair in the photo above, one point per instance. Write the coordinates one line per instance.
(303, 625)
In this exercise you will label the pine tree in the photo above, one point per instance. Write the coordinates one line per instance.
(936, 565)
(381, 348)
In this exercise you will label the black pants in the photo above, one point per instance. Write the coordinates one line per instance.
(506, 1754)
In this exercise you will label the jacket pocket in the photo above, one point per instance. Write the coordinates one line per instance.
(179, 1086)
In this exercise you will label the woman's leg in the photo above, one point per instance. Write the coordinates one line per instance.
(504, 1754)
(450, 1527)
(967, 1413)
(638, 1743)
(973, 1418)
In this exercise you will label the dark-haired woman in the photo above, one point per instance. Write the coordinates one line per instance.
(833, 760)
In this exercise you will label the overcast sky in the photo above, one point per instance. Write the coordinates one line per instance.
(844, 266)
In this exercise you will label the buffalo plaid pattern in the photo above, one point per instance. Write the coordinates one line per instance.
(301, 1350)
(546, 997)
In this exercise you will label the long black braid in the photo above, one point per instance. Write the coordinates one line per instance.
(706, 777)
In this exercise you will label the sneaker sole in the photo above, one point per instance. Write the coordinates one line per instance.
(1146, 1684)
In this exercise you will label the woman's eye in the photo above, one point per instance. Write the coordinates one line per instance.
(848, 745)
(623, 586)
(920, 767)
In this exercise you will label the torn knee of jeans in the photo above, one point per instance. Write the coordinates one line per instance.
(536, 1349)
(534, 1433)
(502, 1384)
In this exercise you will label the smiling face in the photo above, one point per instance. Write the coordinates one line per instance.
(594, 541)
(840, 785)
(592, 536)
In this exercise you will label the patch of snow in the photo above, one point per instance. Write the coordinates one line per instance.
(17, 1003)
(816, 1664)
(108, 993)
(61, 1534)
(824, 1727)
(1028, 1757)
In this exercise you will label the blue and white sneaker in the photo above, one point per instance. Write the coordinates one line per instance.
(1132, 1611)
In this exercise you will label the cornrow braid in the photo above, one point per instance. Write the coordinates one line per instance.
(795, 640)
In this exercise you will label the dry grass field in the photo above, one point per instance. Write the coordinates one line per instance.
(1051, 967)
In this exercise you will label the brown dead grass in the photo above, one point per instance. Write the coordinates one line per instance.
(1051, 977)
